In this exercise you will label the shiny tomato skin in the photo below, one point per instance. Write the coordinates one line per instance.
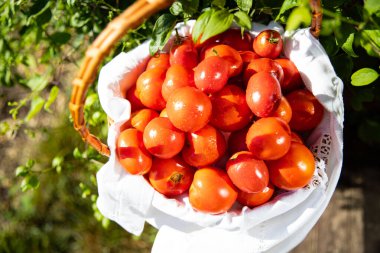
(292, 77)
(263, 94)
(212, 191)
(294, 170)
(296, 138)
(230, 111)
(204, 147)
(247, 57)
(247, 173)
(149, 85)
(159, 60)
(268, 138)
(234, 38)
(162, 139)
(256, 198)
(268, 44)
(133, 98)
(264, 64)
(171, 177)
(184, 53)
(189, 109)
(211, 74)
(283, 110)
(307, 112)
(229, 54)
(131, 152)
(141, 118)
(176, 76)
(236, 141)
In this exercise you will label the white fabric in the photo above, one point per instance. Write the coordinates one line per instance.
(277, 226)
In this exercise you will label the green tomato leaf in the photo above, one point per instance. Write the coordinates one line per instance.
(243, 20)
(161, 32)
(299, 15)
(219, 22)
(35, 108)
(287, 5)
(60, 38)
(347, 46)
(372, 6)
(176, 8)
(52, 97)
(244, 5)
(364, 76)
(201, 24)
(37, 83)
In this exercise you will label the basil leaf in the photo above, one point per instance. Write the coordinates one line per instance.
(201, 23)
(243, 20)
(364, 76)
(219, 22)
(244, 5)
(161, 32)
(347, 46)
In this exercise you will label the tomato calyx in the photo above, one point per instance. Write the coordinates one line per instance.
(175, 178)
(272, 39)
(178, 39)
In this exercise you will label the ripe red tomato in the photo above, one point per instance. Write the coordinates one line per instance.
(141, 118)
(247, 57)
(212, 191)
(131, 152)
(307, 112)
(247, 173)
(184, 53)
(171, 177)
(211, 74)
(149, 85)
(256, 198)
(294, 170)
(296, 138)
(263, 94)
(177, 76)
(159, 60)
(230, 55)
(204, 146)
(268, 43)
(292, 78)
(264, 64)
(236, 141)
(133, 98)
(283, 110)
(189, 109)
(162, 139)
(268, 138)
(234, 38)
(230, 111)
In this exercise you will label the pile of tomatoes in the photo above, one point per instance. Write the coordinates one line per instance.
(222, 121)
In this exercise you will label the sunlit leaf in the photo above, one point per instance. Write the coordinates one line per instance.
(364, 76)
(219, 22)
(36, 106)
(52, 97)
(300, 15)
(243, 20)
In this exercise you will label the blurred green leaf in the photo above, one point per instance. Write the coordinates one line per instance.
(287, 5)
(300, 15)
(372, 6)
(21, 171)
(244, 5)
(176, 8)
(36, 106)
(52, 97)
(37, 83)
(29, 182)
(219, 22)
(364, 76)
(347, 46)
(218, 3)
(243, 20)
(370, 41)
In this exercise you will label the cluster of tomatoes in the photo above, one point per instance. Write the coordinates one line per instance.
(219, 120)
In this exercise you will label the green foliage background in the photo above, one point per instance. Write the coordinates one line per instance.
(47, 179)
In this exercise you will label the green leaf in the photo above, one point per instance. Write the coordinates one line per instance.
(287, 5)
(21, 171)
(244, 5)
(364, 76)
(176, 8)
(35, 108)
(30, 182)
(37, 83)
(57, 161)
(299, 15)
(370, 41)
(219, 22)
(52, 97)
(372, 6)
(243, 20)
(347, 46)
(4, 128)
(30, 163)
(60, 37)
(190, 7)
(161, 32)
(201, 24)
(218, 3)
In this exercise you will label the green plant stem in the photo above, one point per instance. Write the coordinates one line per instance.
(340, 17)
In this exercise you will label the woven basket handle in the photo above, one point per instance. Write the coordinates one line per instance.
(100, 48)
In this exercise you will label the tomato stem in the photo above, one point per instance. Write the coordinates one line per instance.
(176, 177)
(273, 40)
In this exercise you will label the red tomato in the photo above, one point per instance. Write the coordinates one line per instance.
(247, 57)
(212, 191)
(141, 118)
(162, 139)
(306, 109)
(283, 111)
(171, 177)
(247, 173)
(177, 76)
(263, 94)
(230, 55)
(268, 43)
(159, 60)
(236, 141)
(230, 111)
(296, 138)
(149, 85)
(256, 198)
(263, 64)
(234, 38)
(164, 113)
(189, 109)
(184, 53)
(131, 152)
(133, 98)
(211, 74)
(204, 146)
(292, 78)
(294, 170)
(268, 138)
